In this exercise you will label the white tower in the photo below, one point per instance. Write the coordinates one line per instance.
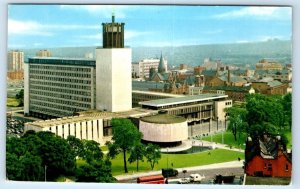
(113, 70)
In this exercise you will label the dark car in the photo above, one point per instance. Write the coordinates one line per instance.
(169, 172)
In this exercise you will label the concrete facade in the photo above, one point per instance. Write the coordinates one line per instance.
(171, 132)
(113, 76)
(57, 87)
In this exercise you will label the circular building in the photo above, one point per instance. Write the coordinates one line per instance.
(164, 129)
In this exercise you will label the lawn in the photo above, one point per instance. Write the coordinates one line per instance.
(267, 181)
(12, 102)
(228, 139)
(178, 160)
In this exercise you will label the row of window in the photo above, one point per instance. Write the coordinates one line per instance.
(61, 79)
(56, 73)
(71, 100)
(75, 86)
(50, 91)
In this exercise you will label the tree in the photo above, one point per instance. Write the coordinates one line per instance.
(287, 108)
(91, 151)
(152, 154)
(237, 123)
(96, 171)
(56, 154)
(137, 153)
(76, 145)
(264, 110)
(20, 97)
(125, 136)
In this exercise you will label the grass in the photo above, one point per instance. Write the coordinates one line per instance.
(12, 102)
(267, 181)
(178, 160)
(228, 139)
(104, 148)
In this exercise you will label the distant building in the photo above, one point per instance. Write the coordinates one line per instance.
(142, 68)
(265, 64)
(183, 67)
(43, 53)
(198, 70)
(15, 65)
(267, 156)
(210, 64)
(284, 75)
(269, 86)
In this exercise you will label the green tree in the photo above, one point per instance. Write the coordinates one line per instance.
(76, 145)
(91, 151)
(125, 136)
(152, 154)
(20, 97)
(137, 153)
(287, 107)
(96, 171)
(56, 154)
(237, 123)
(266, 111)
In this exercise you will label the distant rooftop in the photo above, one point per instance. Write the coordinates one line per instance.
(182, 100)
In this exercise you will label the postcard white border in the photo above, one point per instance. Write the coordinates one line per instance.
(296, 92)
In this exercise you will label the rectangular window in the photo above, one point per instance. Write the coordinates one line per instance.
(286, 167)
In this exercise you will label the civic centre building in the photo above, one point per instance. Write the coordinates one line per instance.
(79, 97)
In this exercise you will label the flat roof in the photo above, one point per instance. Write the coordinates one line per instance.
(92, 115)
(163, 119)
(62, 61)
(157, 93)
(182, 100)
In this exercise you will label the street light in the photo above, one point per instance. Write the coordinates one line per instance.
(45, 173)
(167, 158)
(217, 123)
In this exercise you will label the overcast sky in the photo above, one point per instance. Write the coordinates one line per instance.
(42, 26)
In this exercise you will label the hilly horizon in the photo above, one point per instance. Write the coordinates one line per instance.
(239, 54)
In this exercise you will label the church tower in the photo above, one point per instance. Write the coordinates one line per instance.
(161, 65)
(113, 70)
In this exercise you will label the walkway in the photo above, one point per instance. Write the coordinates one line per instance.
(231, 164)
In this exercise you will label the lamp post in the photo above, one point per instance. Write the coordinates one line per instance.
(217, 123)
(45, 173)
(167, 158)
(225, 121)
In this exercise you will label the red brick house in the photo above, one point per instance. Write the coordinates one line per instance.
(267, 156)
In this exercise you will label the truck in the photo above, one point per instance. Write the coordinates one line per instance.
(155, 179)
(169, 172)
(196, 177)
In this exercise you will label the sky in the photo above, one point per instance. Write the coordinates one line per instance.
(48, 26)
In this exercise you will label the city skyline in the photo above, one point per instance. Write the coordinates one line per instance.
(46, 26)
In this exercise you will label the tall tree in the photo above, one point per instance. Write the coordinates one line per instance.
(76, 145)
(152, 154)
(264, 111)
(125, 136)
(136, 154)
(91, 151)
(237, 123)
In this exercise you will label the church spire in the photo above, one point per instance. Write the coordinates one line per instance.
(161, 66)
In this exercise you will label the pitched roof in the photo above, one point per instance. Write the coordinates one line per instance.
(209, 72)
(228, 88)
(274, 83)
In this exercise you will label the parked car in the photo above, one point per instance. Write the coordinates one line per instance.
(169, 172)
(196, 177)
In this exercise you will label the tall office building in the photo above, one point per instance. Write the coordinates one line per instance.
(43, 53)
(15, 60)
(142, 68)
(113, 70)
(57, 87)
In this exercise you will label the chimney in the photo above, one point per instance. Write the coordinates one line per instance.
(228, 77)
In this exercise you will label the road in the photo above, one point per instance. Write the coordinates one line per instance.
(208, 173)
